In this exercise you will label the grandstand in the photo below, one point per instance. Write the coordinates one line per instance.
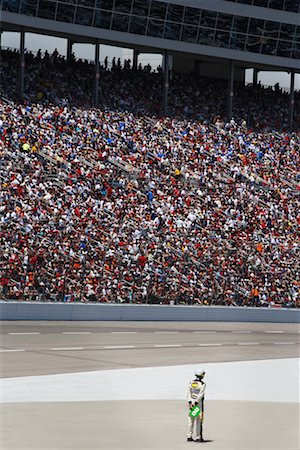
(214, 38)
(123, 184)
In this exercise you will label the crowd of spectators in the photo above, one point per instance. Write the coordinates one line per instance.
(112, 205)
(53, 78)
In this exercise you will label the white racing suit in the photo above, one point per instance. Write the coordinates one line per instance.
(195, 396)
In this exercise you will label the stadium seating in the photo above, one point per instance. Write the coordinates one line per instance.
(120, 204)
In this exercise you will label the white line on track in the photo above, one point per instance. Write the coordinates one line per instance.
(209, 345)
(166, 332)
(13, 350)
(241, 332)
(283, 343)
(247, 343)
(204, 332)
(112, 347)
(123, 332)
(76, 332)
(167, 345)
(24, 333)
(65, 348)
(275, 332)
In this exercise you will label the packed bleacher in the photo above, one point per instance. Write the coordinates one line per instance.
(121, 204)
(53, 78)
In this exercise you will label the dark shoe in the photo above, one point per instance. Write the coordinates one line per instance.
(190, 439)
(200, 440)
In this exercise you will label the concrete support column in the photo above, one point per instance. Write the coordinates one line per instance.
(255, 76)
(135, 59)
(166, 82)
(230, 89)
(22, 63)
(69, 49)
(292, 101)
(97, 73)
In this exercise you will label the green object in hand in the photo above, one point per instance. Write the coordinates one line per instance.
(194, 412)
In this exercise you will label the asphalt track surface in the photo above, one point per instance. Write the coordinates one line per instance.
(43, 349)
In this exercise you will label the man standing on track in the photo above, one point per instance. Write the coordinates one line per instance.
(195, 397)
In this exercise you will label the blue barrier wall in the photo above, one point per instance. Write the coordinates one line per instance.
(70, 311)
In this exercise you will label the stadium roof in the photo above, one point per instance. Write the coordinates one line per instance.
(262, 37)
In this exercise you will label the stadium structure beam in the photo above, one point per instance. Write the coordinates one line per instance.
(166, 82)
(230, 88)
(59, 28)
(22, 63)
(292, 101)
(255, 76)
(97, 72)
(69, 49)
(135, 59)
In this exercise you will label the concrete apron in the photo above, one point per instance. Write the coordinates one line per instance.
(249, 405)
(151, 424)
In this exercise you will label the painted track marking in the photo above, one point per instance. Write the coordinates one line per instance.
(13, 350)
(23, 334)
(167, 345)
(204, 332)
(166, 332)
(241, 332)
(76, 332)
(66, 348)
(275, 332)
(115, 347)
(123, 332)
(248, 343)
(209, 345)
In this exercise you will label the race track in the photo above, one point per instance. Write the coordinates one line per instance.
(122, 385)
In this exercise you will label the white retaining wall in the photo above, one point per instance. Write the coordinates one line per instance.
(114, 312)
